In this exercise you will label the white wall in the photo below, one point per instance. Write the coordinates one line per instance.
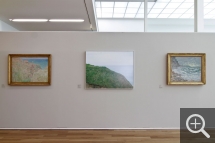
(63, 104)
(5, 27)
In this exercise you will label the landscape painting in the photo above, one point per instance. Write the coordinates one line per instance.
(29, 69)
(186, 68)
(109, 70)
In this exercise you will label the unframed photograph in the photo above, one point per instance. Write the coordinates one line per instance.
(109, 69)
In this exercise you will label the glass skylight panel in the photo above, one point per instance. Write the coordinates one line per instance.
(173, 5)
(118, 15)
(98, 10)
(107, 4)
(140, 16)
(178, 1)
(210, 5)
(208, 16)
(150, 4)
(163, 0)
(205, 4)
(190, 11)
(121, 4)
(174, 15)
(99, 15)
(163, 15)
(141, 10)
(142, 5)
(129, 15)
(212, 12)
(119, 10)
(98, 4)
(134, 4)
(207, 10)
(107, 10)
(153, 15)
(192, 1)
(168, 10)
(186, 16)
(186, 5)
(172, 10)
(107, 15)
(131, 10)
(180, 10)
(156, 10)
(160, 5)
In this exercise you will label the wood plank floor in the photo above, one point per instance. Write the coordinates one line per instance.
(89, 136)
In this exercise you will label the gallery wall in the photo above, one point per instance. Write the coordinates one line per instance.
(151, 104)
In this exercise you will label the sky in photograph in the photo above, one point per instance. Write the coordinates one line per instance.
(109, 58)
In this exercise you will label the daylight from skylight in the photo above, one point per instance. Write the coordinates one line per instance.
(209, 9)
(159, 9)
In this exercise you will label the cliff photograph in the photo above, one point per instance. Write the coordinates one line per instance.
(109, 70)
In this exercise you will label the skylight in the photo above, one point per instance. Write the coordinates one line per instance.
(158, 9)
(209, 9)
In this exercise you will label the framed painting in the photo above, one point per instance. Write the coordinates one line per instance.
(29, 69)
(186, 68)
(105, 70)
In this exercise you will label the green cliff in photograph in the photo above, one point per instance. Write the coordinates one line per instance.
(102, 77)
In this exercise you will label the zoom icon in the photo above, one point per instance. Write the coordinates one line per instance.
(197, 125)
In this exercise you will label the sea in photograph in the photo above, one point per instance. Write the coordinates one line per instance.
(126, 71)
(186, 69)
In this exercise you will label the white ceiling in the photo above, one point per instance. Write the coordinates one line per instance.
(48, 9)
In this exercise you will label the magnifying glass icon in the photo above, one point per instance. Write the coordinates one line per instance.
(201, 129)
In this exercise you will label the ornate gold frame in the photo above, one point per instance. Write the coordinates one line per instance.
(10, 82)
(203, 68)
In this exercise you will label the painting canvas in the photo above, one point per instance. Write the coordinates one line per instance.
(109, 70)
(186, 68)
(29, 69)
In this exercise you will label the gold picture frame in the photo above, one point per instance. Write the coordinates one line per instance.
(29, 69)
(186, 68)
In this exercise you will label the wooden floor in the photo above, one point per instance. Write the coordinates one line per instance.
(89, 136)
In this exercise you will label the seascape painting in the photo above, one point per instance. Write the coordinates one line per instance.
(109, 70)
(29, 70)
(186, 69)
